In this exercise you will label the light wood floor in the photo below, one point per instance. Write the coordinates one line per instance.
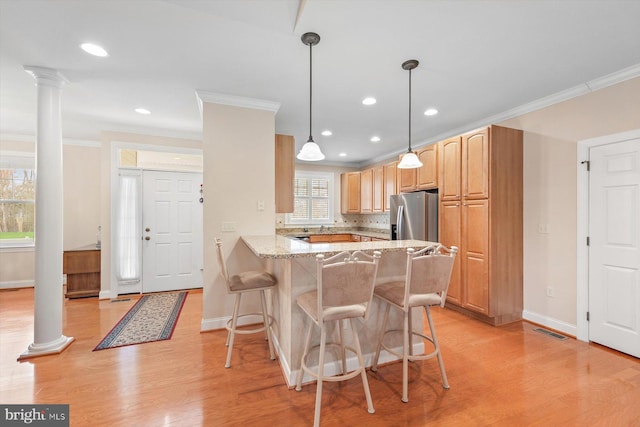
(506, 376)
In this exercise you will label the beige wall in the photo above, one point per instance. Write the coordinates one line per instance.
(550, 176)
(239, 172)
(81, 186)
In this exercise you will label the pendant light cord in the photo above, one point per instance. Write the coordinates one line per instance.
(409, 110)
(310, 90)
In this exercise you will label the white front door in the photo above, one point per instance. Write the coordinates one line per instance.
(614, 250)
(171, 231)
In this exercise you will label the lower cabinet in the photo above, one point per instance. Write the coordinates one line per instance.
(82, 267)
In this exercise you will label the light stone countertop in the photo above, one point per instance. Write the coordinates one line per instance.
(276, 246)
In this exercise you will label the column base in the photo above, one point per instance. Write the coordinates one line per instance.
(54, 347)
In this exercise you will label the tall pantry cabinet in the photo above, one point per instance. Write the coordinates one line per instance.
(480, 188)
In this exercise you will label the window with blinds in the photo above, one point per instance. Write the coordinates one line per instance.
(313, 196)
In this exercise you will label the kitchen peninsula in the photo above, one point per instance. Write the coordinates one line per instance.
(293, 263)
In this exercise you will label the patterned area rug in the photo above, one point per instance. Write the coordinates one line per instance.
(152, 318)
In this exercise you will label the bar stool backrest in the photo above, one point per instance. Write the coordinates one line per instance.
(429, 271)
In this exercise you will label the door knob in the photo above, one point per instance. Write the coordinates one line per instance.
(147, 238)
(147, 229)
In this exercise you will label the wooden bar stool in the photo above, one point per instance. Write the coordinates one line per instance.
(425, 285)
(247, 281)
(345, 290)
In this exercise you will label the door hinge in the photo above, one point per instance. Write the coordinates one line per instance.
(588, 163)
(587, 316)
(588, 241)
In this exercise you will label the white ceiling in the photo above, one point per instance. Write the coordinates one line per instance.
(478, 59)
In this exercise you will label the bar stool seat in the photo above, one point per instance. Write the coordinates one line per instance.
(238, 284)
(345, 290)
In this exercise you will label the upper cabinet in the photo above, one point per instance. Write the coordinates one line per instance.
(475, 164)
(350, 192)
(449, 168)
(425, 177)
(366, 191)
(378, 190)
(285, 173)
(390, 184)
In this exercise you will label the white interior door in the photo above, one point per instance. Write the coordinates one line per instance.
(172, 231)
(614, 251)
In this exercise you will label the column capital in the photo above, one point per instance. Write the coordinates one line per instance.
(46, 76)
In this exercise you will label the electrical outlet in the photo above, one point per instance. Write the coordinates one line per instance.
(543, 228)
(550, 292)
(228, 226)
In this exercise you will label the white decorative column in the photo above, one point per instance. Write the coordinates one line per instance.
(48, 298)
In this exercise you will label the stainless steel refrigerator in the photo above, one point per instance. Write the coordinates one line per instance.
(414, 216)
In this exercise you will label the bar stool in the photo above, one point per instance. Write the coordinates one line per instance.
(248, 281)
(426, 284)
(345, 290)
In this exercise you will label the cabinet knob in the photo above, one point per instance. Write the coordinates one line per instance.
(147, 238)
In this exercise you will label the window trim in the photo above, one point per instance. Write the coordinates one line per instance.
(307, 221)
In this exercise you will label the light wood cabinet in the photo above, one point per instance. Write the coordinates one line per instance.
(427, 175)
(424, 177)
(390, 187)
(480, 176)
(285, 173)
(350, 192)
(82, 267)
(366, 191)
(329, 238)
(378, 190)
(449, 168)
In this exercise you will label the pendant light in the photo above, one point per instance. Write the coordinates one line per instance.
(410, 160)
(310, 150)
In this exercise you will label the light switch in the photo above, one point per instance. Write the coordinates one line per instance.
(260, 205)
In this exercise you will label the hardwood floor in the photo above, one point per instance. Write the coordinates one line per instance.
(499, 376)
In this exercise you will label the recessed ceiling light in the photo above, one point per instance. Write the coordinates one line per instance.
(342, 154)
(375, 139)
(94, 49)
(327, 132)
(142, 111)
(369, 101)
(431, 112)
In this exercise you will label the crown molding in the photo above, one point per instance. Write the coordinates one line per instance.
(236, 101)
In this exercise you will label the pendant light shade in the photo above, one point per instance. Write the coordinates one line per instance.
(410, 160)
(310, 150)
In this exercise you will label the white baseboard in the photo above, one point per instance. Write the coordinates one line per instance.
(17, 284)
(221, 322)
(105, 295)
(552, 323)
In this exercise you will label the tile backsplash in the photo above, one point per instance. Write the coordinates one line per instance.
(373, 221)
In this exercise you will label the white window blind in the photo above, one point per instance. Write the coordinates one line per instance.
(313, 198)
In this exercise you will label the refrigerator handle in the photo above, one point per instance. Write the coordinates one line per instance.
(400, 222)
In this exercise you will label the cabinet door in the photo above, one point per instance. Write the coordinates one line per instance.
(353, 192)
(475, 255)
(475, 165)
(378, 192)
(407, 179)
(366, 191)
(390, 174)
(449, 169)
(450, 236)
(427, 175)
(285, 171)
